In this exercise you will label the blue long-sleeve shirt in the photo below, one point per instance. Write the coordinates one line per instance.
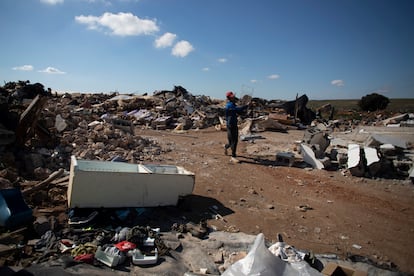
(231, 113)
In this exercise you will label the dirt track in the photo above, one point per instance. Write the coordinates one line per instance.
(318, 210)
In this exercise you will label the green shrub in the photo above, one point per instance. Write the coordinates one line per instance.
(373, 102)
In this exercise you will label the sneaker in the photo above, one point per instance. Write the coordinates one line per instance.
(234, 160)
(226, 151)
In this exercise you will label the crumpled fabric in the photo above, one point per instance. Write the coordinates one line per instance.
(85, 258)
(47, 241)
(138, 234)
(87, 248)
(286, 252)
(121, 235)
(125, 246)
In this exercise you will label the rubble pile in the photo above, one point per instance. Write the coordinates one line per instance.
(41, 130)
(45, 129)
(363, 151)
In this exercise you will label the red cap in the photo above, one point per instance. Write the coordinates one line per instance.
(230, 94)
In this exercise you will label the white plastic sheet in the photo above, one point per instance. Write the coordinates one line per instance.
(261, 262)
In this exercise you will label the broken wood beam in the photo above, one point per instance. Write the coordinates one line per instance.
(45, 182)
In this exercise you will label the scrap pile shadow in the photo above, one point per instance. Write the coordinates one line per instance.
(191, 208)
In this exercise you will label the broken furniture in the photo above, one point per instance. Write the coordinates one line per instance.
(96, 184)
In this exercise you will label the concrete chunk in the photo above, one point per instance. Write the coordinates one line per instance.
(373, 161)
(309, 157)
(355, 165)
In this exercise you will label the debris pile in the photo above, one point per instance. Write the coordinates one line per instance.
(40, 131)
(364, 151)
(45, 129)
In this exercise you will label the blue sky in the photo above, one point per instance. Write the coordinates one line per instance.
(326, 49)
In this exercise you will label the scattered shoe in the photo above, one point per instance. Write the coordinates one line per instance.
(234, 160)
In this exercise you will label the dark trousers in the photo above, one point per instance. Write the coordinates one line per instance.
(232, 137)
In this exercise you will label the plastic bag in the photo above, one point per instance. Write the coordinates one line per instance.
(260, 261)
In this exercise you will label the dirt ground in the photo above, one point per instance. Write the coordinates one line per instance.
(327, 212)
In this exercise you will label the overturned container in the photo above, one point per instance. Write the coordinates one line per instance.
(96, 184)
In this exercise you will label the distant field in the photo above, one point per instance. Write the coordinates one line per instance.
(395, 105)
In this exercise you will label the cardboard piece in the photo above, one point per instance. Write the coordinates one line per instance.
(333, 269)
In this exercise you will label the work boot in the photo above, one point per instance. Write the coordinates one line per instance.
(234, 160)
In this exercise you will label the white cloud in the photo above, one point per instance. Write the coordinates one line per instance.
(23, 68)
(222, 60)
(253, 81)
(121, 24)
(52, 70)
(166, 40)
(338, 83)
(273, 77)
(52, 2)
(182, 49)
(206, 69)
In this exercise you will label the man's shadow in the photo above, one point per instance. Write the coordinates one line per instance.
(271, 162)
